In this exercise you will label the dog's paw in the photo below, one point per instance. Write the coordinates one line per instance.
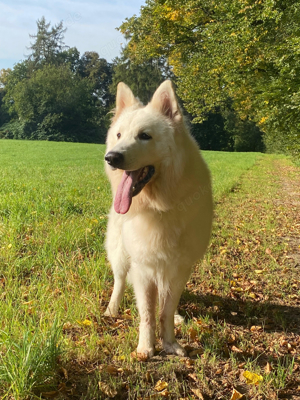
(174, 348)
(143, 353)
(110, 313)
(178, 319)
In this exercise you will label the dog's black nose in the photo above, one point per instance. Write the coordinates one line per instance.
(114, 159)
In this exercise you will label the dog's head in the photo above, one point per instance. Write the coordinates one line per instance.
(141, 141)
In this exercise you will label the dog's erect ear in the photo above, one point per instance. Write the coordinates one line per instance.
(125, 98)
(164, 100)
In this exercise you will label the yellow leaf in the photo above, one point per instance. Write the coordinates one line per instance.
(160, 386)
(9, 246)
(236, 395)
(259, 271)
(252, 378)
(165, 393)
(86, 322)
(119, 358)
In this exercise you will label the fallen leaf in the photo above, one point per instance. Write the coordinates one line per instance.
(110, 392)
(164, 393)
(119, 358)
(86, 322)
(198, 393)
(160, 386)
(256, 328)
(236, 395)
(252, 378)
(196, 352)
(50, 395)
(193, 377)
(268, 368)
(236, 350)
(259, 271)
(64, 372)
(111, 369)
(193, 334)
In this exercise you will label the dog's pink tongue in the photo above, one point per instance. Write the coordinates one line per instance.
(123, 197)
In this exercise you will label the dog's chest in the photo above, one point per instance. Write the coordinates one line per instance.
(151, 238)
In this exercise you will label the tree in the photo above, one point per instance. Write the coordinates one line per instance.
(54, 94)
(224, 130)
(246, 50)
(143, 78)
(99, 72)
(55, 104)
(47, 44)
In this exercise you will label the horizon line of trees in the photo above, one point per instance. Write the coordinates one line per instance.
(58, 94)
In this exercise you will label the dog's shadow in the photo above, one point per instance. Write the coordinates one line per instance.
(270, 316)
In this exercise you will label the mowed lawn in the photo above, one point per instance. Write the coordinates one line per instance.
(55, 280)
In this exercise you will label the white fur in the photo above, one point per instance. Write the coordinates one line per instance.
(168, 225)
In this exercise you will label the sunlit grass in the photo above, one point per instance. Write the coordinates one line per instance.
(54, 199)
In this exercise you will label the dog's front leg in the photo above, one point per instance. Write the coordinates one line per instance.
(168, 302)
(145, 293)
(117, 294)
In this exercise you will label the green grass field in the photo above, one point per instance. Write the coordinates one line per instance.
(55, 281)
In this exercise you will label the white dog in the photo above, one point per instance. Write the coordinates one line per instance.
(160, 222)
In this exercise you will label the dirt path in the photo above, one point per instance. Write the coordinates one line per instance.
(290, 199)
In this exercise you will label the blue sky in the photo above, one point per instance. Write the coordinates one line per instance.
(90, 25)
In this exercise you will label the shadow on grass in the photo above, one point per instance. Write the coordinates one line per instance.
(244, 313)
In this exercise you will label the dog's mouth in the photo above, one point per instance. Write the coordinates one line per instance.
(131, 184)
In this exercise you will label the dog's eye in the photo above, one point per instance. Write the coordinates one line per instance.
(118, 135)
(144, 136)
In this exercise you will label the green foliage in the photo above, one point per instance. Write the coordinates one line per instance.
(211, 133)
(29, 363)
(57, 103)
(99, 73)
(224, 130)
(4, 116)
(243, 49)
(143, 78)
(54, 94)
